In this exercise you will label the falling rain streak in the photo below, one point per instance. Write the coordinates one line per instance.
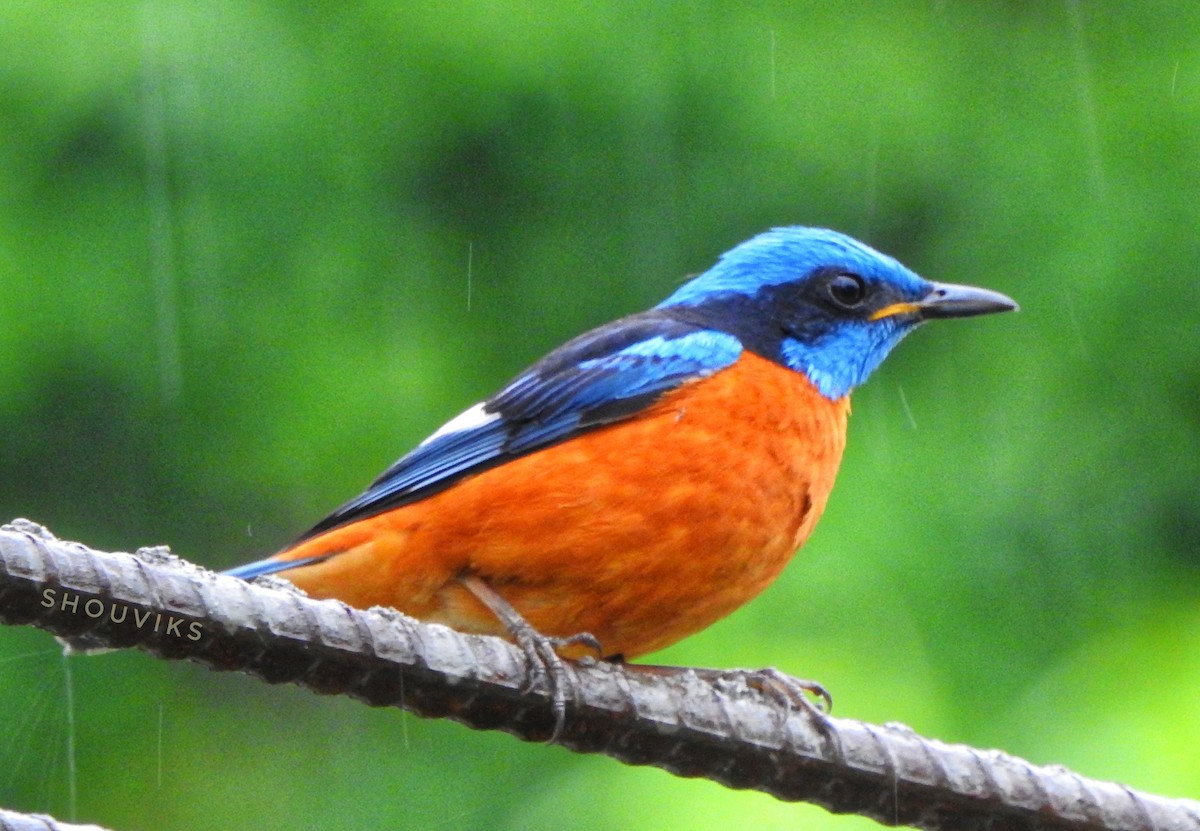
(158, 198)
(1087, 104)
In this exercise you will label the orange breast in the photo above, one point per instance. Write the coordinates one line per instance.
(640, 533)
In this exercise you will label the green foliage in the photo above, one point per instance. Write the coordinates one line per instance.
(251, 253)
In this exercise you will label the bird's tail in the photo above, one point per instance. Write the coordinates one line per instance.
(273, 565)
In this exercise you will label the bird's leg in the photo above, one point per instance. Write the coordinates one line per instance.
(809, 696)
(541, 656)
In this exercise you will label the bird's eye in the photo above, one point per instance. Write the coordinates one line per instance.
(847, 290)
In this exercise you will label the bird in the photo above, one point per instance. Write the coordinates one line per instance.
(645, 479)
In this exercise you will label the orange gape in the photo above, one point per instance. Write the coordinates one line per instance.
(641, 532)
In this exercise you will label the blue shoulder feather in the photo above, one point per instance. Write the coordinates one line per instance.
(603, 376)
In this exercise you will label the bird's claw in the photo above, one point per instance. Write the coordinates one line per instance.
(545, 667)
(810, 696)
(791, 693)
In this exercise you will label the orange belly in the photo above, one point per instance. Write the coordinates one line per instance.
(641, 533)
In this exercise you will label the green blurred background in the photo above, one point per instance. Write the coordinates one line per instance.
(252, 252)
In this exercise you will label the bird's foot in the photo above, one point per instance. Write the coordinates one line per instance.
(546, 667)
(543, 665)
(791, 693)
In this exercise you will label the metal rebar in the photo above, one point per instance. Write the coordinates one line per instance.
(691, 724)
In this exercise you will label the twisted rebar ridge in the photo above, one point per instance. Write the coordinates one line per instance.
(724, 730)
(12, 821)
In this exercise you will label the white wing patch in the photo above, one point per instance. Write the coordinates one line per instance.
(466, 420)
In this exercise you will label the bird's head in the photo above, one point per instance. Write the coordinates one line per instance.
(821, 303)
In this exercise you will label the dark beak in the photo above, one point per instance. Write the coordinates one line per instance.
(950, 300)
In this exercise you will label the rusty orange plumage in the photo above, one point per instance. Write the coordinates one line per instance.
(623, 532)
(645, 479)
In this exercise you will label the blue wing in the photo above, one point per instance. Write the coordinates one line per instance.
(606, 375)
